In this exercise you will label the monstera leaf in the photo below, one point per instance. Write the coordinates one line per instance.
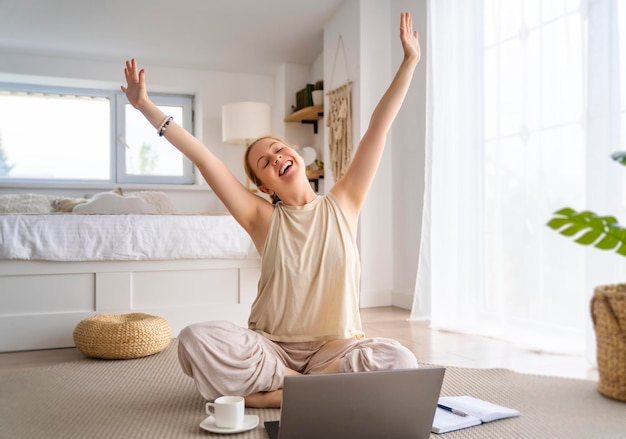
(602, 232)
(619, 157)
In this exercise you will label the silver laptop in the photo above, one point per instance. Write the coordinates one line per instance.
(390, 404)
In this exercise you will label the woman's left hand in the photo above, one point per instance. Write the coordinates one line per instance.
(409, 37)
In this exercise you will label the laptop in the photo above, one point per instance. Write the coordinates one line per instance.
(391, 404)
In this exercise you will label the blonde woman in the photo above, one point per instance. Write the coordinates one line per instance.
(305, 318)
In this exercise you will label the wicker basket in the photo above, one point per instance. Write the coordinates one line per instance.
(608, 311)
(122, 336)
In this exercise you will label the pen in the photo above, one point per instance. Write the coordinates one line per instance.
(451, 410)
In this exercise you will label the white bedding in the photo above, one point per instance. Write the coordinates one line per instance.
(72, 237)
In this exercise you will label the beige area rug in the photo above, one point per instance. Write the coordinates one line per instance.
(151, 398)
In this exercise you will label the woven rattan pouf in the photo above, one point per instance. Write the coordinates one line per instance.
(122, 336)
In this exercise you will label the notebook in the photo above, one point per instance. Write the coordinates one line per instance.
(364, 405)
(477, 411)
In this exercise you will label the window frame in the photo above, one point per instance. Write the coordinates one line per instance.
(117, 149)
(121, 176)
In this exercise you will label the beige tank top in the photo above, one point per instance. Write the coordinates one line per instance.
(310, 271)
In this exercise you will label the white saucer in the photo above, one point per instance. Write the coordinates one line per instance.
(249, 422)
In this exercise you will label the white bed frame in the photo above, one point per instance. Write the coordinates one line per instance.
(42, 302)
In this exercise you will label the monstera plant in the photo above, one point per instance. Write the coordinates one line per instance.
(603, 232)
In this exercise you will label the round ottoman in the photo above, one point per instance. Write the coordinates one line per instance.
(122, 336)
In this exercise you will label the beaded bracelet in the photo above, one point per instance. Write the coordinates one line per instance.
(164, 125)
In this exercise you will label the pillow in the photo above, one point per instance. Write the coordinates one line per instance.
(64, 204)
(67, 204)
(159, 200)
(26, 203)
(112, 203)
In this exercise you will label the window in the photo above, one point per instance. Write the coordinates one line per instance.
(524, 113)
(51, 134)
(535, 151)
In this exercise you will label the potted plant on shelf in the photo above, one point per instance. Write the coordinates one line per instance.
(608, 304)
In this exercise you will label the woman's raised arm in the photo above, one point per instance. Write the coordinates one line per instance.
(352, 189)
(240, 202)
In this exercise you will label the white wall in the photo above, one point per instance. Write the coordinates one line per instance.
(318, 141)
(407, 160)
(390, 222)
(376, 72)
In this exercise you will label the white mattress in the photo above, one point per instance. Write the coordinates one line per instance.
(72, 237)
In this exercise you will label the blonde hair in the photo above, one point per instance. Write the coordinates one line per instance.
(250, 172)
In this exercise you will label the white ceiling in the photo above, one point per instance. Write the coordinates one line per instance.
(227, 35)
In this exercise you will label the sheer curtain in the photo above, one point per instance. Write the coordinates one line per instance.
(524, 109)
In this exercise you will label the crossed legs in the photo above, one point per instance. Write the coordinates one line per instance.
(225, 359)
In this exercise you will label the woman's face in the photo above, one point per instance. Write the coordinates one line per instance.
(275, 164)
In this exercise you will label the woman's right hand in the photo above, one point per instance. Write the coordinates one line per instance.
(135, 89)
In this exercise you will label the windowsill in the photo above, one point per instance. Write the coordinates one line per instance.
(107, 186)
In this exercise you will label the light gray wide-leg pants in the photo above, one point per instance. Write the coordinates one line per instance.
(226, 359)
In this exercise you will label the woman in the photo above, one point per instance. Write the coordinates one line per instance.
(305, 318)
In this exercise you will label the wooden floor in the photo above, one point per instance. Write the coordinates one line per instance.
(435, 347)
(453, 349)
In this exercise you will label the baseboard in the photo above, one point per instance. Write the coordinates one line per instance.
(402, 300)
(386, 298)
(373, 299)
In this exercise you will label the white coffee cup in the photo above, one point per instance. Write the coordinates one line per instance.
(228, 411)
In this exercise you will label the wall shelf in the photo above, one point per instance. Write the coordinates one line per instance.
(307, 115)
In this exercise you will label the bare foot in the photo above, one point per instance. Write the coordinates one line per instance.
(271, 399)
(259, 400)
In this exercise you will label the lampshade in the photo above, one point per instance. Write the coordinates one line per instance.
(243, 122)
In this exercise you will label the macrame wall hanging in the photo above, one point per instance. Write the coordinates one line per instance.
(339, 120)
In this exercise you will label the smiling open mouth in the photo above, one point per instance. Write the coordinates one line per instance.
(285, 167)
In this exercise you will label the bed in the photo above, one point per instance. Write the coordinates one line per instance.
(58, 268)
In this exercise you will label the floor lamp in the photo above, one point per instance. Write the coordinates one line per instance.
(243, 122)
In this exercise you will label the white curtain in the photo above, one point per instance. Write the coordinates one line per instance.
(524, 109)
